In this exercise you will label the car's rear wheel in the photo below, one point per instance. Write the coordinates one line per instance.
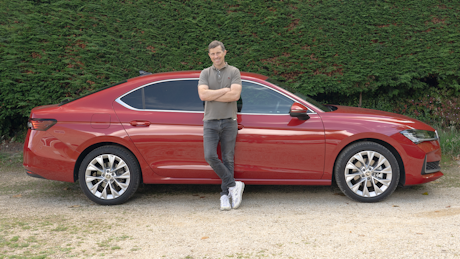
(109, 175)
(367, 172)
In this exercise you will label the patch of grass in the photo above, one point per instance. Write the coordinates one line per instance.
(450, 142)
(11, 152)
(32, 239)
(124, 237)
(103, 244)
(20, 185)
(66, 249)
(110, 242)
(49, 236)
(9, 160)
(451, 178)
(60, 228)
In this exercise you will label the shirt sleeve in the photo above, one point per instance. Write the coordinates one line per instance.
(203, 78)
(236, 77)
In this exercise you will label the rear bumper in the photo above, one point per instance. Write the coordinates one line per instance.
(34, 175)
(43, 157)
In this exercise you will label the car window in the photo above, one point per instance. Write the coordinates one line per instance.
(134, 99)
(304, 97)
(256, 98)
(170, 95)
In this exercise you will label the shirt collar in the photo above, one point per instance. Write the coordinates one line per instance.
(226, 65)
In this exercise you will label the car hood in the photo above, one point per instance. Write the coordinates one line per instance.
(370, 118)
(363, 111)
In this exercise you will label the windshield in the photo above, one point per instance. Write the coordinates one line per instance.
(301, 96)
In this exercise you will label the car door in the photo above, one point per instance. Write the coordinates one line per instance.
(273, 145)
(165, 121)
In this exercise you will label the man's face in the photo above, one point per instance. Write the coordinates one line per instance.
(217, 56)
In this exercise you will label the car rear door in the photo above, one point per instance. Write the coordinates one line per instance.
(165, 121)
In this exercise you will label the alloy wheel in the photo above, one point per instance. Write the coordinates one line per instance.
(107, 176)
(368, 174)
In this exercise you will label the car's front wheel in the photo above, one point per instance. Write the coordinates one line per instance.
(367, 172)
(109, 175)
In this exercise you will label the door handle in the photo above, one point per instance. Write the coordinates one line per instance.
(240, 127)
(140, 123)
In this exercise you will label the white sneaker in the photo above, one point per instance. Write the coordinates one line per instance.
(236, 193)
(224, 203)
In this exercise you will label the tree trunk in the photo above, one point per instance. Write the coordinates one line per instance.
(360, 99)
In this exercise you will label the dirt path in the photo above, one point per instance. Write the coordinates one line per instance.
(48, 219)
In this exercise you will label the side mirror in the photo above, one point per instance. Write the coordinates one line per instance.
(299, 111)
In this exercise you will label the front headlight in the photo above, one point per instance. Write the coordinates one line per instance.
(419, 136)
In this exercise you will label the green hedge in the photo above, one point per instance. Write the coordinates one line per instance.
(50, 50)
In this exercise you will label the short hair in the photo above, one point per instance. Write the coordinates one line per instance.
(216, 43)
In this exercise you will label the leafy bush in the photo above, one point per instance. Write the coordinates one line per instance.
(433, 105)
(443, 111)
(53, 49)
(450, 142)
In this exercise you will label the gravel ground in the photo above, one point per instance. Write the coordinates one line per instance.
(48, 219)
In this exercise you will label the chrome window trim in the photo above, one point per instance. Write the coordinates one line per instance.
(119, 101)
(257, 83)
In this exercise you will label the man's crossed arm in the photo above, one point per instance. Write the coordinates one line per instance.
(220, 95)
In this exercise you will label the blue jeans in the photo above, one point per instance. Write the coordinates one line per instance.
(223, 131)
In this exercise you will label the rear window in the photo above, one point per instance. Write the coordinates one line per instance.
(179, 95)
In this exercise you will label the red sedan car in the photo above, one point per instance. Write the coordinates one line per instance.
(149, 129)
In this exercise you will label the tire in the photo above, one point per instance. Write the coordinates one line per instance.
(109, 175)
(367, 172)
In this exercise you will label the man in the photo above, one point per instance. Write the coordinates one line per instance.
(220, 87)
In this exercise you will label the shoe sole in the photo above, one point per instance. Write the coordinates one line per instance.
(241, 199)
(226, 209)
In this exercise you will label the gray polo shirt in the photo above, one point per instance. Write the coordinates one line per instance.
(217, 79)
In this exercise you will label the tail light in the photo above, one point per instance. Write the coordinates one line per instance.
(41, 124)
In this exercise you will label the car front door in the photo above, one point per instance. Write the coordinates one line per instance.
(273, 145)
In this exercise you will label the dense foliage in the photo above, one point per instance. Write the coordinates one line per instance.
(54, 49)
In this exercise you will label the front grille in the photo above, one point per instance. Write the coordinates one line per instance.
(432, 167)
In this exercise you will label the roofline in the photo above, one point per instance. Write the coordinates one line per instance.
(196, 73)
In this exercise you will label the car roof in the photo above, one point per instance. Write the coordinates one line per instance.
(163, 76)
(191, 74)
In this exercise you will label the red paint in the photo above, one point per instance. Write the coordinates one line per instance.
(270, 149)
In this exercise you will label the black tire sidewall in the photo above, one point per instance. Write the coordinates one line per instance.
(355, 148)
(130, 161)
